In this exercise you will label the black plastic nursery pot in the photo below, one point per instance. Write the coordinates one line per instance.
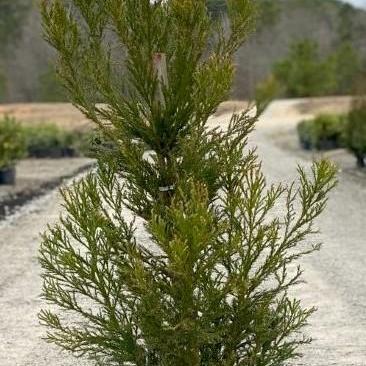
(7, 176)
(52, 153)
(328, 144)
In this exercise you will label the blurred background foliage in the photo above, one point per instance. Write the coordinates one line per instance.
(294, 38)
(12, 14)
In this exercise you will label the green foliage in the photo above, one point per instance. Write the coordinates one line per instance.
(2, 84)
(304, 74)
(348, 68)
(268, 13)
(216, 7)
(12, 14)
(356, 130)
(201, 276)
(326, 131)
(359, 87)
(49, 89)
(204, 293)
(87, 143)
(11, 142)
(347, 27)
(47, 140)
(266, 91)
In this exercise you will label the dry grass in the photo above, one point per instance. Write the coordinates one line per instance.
(64, 115)
(67, 116)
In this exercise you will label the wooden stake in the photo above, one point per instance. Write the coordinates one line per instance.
(160, 68)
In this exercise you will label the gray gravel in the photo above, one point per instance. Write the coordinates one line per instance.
(37, 176)
(20, 284)
(335, 275)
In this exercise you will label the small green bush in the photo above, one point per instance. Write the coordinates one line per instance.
(12, 147)
(324, 132)
(48, 140)
(356, 131)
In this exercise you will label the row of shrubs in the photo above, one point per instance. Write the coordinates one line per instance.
(39, 141)
(328, 131)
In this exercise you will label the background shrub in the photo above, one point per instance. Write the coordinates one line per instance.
(11, 142)
(356, 130)
(324, 132)
(50, 141)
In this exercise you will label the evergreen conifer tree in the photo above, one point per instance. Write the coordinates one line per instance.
(205, 279)
(304, 73)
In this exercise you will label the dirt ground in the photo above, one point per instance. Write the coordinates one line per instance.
(62, 114)
(65, 115)
(335, 276)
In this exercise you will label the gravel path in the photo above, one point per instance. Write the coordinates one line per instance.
(20, 284)
(335, 276)
(37, 176)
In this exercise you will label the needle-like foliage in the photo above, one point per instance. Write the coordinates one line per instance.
(201, 275)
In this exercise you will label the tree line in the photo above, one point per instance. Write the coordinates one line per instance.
(27, 74)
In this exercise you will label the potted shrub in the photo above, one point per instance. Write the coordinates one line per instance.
(48, 141)
(324, 132)
(305, 133)
(356, 131)
(12, 148)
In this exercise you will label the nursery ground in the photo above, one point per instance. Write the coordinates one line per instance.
(335, 275)
(37, 176)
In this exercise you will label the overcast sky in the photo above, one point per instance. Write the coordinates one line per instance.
(357, 2)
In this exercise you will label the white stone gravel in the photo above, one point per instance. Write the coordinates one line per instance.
(336, 275)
